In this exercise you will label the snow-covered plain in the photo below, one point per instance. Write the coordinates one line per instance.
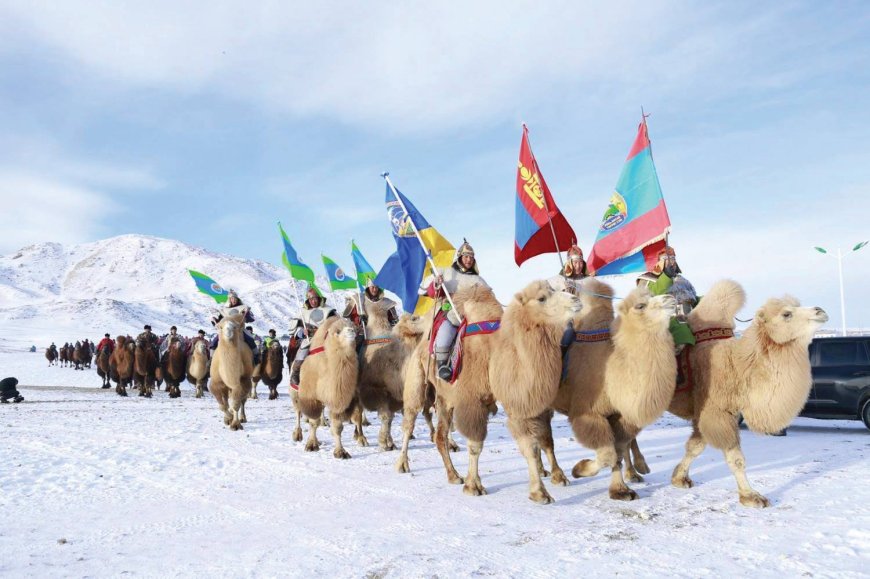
(92, 484)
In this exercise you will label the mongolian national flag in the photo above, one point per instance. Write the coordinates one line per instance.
(338, 280)
(535, 208)
(208, 286)
(407, 267)
(364, 271)
(294, 265)
(635, 226)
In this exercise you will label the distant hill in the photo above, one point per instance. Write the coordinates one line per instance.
(49, 291)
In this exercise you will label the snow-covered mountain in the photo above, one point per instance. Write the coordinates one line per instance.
(51, 292)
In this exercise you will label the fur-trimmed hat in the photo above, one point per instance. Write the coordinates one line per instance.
(574, 252)
(465, 249)
(660, 259)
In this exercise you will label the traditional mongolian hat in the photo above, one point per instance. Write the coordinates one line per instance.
(464, 249)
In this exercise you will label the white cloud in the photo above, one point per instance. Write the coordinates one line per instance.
(403, 67)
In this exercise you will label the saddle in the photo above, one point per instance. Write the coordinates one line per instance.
(467, 330)
(685, 375)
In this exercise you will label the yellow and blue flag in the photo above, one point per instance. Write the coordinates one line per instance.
(405, 269)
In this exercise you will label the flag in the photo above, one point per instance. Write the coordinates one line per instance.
(364, 271)
(636, 223)
(294, 265)
(208, 286)
(338, 280)
(534, 211)
(405, 269)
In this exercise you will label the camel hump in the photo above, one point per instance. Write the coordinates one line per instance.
(718, 306)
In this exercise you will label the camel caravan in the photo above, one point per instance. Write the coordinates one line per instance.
(565, 345)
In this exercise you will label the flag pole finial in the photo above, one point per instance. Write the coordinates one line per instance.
(385, 174)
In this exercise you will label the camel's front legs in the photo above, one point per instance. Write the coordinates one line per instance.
(385, 437)
(357, 418)
(473, 486)
(409, 417)
(694, 447)
(523, 431)
(312, 444)
(545, 441)
(749, 497)
(594, 432)
(236, 405)
(253, 394)
(337, 425)
(618, 490)
(441, 441)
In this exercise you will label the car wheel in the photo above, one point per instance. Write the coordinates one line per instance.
(865, 413)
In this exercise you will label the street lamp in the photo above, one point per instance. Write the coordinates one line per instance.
(840, 255)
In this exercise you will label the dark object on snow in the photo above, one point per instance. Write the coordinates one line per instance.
(841, 379)
(8, 391)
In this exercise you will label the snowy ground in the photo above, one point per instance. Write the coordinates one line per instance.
(95, 485)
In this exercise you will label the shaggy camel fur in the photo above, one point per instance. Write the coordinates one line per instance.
(525, 371)
(103, 367)
(765, 375)
(328, 378)
(175, 366)
(231, 368)
(145, 363)
(198, 365)
(121, 364)
(382, 366)
(51, 356)
(614, 388)
(271, 370)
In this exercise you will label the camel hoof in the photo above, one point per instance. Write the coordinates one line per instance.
(623, 494)
(474, 489)
(402, 465)
(633, 477)
(455, 479)
(297, 435)
(388, 446)
(312, 446)
(542, 497)
(682, 482)
(273, 396)
(642, 467)
(585, 467)
(340, 453)
(362, 440)
(412, 437)
(559, 478)
(755, 500)
(244, 419)
(452, 446)
(227, 420)
(236, 426)
(544, 473)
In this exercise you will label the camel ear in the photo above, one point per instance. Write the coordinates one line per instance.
(520, 297)
(759, 315)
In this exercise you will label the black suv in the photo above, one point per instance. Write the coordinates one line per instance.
(841, 379)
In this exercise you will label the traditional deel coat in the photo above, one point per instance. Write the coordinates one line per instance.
(683, 291)
(453, 279)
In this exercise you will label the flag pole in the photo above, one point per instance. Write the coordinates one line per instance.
(544, 199)
(431, 261)
(359, 296)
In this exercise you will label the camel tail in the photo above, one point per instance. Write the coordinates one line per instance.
(718, 307)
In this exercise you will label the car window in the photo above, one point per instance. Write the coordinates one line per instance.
(842, 354)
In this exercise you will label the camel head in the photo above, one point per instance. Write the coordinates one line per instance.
(200, 347)
(232, 323)
(543, 305)
(641, 309)
(410, 328)
(344, 332)
(783, 320)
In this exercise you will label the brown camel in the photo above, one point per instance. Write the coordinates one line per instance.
(383, 359)
(78, 355)
(145, 363)
(51, 355)
(175, 366)
(103, 367)
(764, 375)
(231, 367)
(64, 355)
(198, 365)
(271, 370)
(615, 387)
(328, 378)
(121, 364)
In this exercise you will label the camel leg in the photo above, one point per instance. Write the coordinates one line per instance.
(385, 437)
(236, 401)
(253, 393)
(545, 441)
(638, 459)
(749, 497)
(297, 432)
(336, 426)
(273, 392)
(618, 490)
(523, 431)
(357, 417)
(312, 444)
(473, 486)
(593, 431)
(409, 417)
(427, 416)
(694, 447)
(441, 434)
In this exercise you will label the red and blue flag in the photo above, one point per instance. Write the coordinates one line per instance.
(636, 224)
(535, 210)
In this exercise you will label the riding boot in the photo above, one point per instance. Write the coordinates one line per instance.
(256, 356)
(442, 360)
(294, 372)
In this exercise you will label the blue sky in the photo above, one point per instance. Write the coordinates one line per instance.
(209, 121)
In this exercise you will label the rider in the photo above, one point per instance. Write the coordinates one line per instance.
(315, 311)
(268, 339)
(149, 336)
(165, 342)
(234, 301)
(570, 280)
(372, 295)
(106, 343)
(667, 278)
(463, 272)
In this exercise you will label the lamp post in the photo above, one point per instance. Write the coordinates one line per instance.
(840, 255)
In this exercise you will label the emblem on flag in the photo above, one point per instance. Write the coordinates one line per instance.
(402, 226)
(616, 214)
